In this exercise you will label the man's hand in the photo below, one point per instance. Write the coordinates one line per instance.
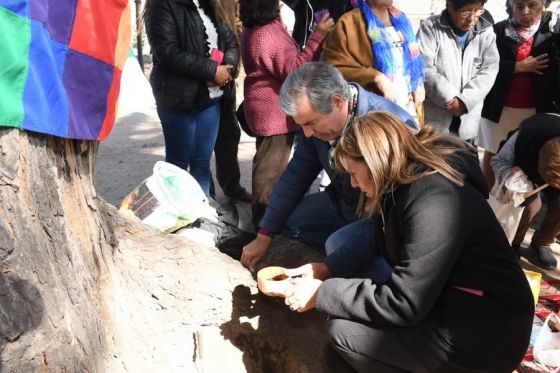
(456, 107)
(302, 296)
(532, 64)
(254, 251)
(318, 271)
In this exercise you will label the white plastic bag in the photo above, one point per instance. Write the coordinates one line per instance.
(547, 345)
(168, 199)
(506, 199)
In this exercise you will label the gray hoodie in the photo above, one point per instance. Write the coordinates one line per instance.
(451, 72)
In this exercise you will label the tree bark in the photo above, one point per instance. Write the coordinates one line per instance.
(85, 289)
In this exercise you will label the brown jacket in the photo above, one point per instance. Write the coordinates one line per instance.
(348, 48)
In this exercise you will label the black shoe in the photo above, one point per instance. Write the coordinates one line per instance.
(545, 256)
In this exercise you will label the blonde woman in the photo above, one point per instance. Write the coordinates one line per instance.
(452, 264)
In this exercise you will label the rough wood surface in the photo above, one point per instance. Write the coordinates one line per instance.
(84, 289)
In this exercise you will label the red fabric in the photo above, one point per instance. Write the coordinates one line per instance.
(112, 97)
(267, 233)
(520, 94)
(104, 17)
(269, 54)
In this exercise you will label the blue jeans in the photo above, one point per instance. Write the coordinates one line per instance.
(190, 138)
(353, 253)
(350, 247)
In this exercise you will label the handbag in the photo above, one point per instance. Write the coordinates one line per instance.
(240, 114)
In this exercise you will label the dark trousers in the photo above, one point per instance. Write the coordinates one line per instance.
(269, 163)
(550, 226)
(423, 348)
(367, 349)
(225, 152)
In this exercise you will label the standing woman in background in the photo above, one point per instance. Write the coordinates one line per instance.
(374, 45)
(527, 81)
(195, 56)
(269, 54)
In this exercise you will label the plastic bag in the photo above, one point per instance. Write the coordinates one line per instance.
(229, 231)
(547, 345)
(506, 199)
(168, 199)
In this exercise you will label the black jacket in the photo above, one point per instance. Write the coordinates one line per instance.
(546, 87)
(182, 66)
(304, 15)
(438, 236)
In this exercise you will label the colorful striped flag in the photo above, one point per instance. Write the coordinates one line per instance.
(61, 65)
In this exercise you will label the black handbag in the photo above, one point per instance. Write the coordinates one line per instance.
(240, 114)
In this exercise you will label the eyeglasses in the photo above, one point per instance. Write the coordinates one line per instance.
(468, 13)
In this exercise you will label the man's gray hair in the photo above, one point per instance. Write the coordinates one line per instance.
(319, 82)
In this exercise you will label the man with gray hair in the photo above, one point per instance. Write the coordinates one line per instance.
(322, 103)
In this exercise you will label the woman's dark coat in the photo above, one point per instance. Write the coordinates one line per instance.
(182, 66)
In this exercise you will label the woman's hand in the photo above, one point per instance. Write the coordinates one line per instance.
(324, 26)
(385, 86)
(512, 171)
(532, 64)
(302, 296)
(223, 75)
(456, 107)
(310, 271)
(419, 95)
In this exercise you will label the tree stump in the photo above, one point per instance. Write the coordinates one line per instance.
(84, 289)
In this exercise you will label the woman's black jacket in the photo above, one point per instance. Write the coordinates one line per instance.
(182, 67)
(546, 87)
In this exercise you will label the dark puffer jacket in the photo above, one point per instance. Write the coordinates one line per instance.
(546, 87)
(182, 66)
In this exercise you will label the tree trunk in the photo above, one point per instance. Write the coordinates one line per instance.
(84, 289)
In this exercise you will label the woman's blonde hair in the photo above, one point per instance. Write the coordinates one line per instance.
(549, 162)
(395, 154)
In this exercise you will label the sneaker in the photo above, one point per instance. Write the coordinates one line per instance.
(545, 256)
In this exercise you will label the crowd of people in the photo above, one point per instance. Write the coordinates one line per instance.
(415, 257)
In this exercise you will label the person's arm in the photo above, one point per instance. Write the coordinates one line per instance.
(231, 52)
(340, 48)
(438, 89)
(300, 173)
(433, 226)
(502, 162)
(280, 56)
(162, 34)
(478, 87)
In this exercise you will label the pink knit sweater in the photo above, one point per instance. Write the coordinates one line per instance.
(269, 54)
